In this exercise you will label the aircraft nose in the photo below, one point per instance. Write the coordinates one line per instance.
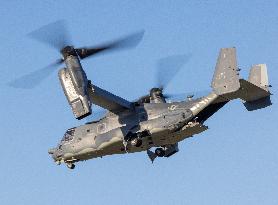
(51, 151)
(56, 155)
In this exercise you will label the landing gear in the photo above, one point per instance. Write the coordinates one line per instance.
(70, 165)
(137, 142)
(160, 152)
(136, 138)
(164, 151)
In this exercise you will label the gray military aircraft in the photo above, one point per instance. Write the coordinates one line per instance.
(150, 121)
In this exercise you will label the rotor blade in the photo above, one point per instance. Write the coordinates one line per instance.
(143, 99)
(34, 78)
(168, 67)
(183, 96)
(54, 34)
(127, 42)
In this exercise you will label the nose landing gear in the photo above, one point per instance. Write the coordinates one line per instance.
(70, 165)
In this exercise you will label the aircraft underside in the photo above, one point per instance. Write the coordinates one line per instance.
(117, 145)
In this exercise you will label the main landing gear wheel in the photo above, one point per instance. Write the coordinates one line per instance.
(70, 166)
(137, 142)
(160, 152)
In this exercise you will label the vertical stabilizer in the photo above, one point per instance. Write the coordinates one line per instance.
(225, 79)
(258, 76)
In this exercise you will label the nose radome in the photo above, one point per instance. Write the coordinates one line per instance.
(51, 151)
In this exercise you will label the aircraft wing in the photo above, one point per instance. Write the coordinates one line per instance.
(107, 100)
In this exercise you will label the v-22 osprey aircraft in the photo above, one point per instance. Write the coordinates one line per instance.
(151, 121)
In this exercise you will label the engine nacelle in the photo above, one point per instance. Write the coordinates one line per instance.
(75, 91)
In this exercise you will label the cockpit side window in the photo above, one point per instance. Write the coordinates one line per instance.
(68, 136)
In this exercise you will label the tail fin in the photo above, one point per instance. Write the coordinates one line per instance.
(225, 79)
(258, 76)
(227, 85)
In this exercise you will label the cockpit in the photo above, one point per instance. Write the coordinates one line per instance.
(68, 136)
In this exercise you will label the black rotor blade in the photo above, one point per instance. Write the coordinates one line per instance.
(34, 78)
(143, 99)
(54, 34)
(127, 42)
(168, 67)
(183, 96)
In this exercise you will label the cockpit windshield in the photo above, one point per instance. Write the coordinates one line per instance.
(68, 136)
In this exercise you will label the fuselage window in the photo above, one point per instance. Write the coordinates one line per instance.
(68, 136)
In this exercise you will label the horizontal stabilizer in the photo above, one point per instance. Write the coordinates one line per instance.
(250, 92)
(255, 91)
(258, 104)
